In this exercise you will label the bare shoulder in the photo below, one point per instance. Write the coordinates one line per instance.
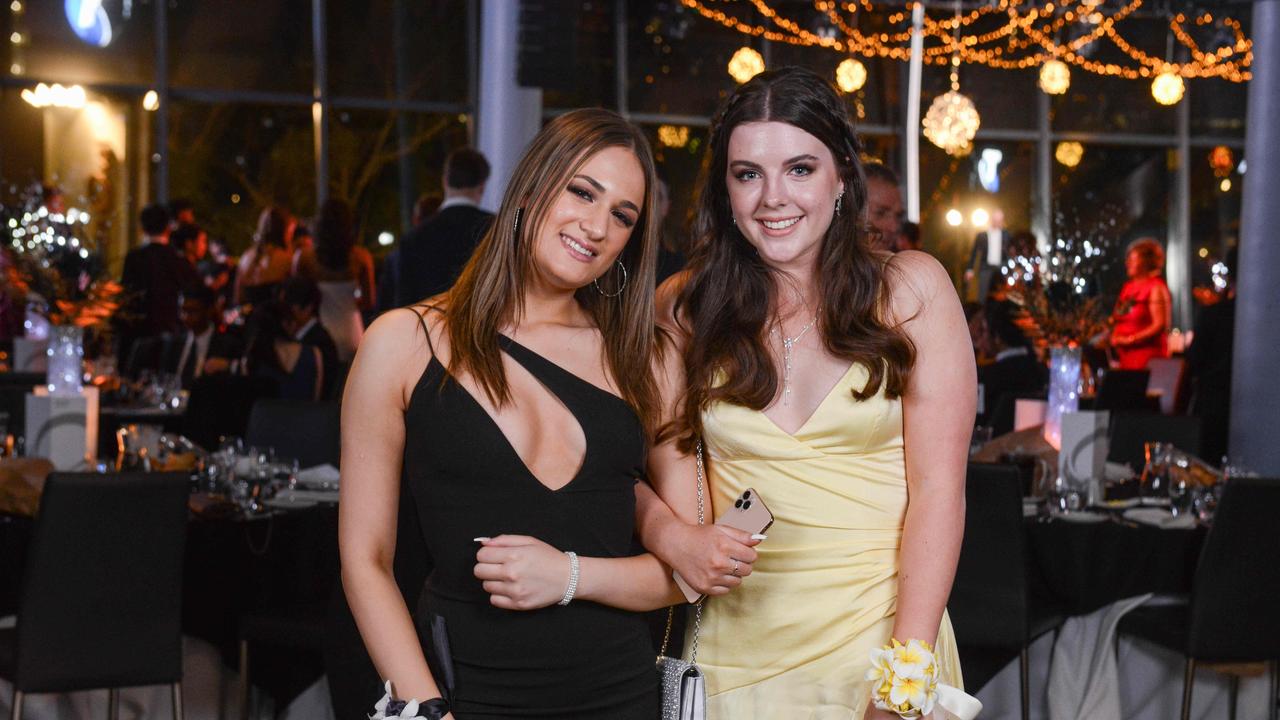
(665, 302)
(915, 279)
(395, 348)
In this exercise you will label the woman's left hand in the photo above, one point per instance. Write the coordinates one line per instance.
(521, 573)
(874, 713)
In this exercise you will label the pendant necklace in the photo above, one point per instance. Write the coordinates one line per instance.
(788, 344)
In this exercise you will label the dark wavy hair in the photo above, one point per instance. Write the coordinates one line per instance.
(335, 234)
(727, 300)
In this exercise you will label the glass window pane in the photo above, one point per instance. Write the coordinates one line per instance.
(262, 45)
(58, 44)
(1218, 107)
(98, 156)
(231, 160)
(678, 59)
(1114, 195)
(995, 177)
(1215, 208)
(376, 49)
(567, 49)
(678, 152)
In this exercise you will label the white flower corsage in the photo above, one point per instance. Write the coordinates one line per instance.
(904, 678)
(389, 707)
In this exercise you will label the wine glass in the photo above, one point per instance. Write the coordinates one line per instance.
(1154, 487)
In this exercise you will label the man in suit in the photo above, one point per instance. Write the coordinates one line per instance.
(987, 255)
(154, 276)
(202, 348)
(301, 299)
(432, 255)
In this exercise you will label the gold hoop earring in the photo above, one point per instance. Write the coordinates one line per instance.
(621, 287)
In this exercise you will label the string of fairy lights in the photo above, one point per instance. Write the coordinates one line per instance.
(1008, 35)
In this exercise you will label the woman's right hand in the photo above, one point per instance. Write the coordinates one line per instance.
(713, 559)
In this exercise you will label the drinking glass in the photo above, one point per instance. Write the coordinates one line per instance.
(1154, 487)
(981, 436)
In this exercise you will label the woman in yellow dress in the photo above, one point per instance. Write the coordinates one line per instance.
(835, 381)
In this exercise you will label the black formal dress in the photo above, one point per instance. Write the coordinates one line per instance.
(318, 337)
(583, 660)
(432, 255)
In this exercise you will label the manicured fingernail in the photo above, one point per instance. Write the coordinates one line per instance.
(482, 539)
(759, 536)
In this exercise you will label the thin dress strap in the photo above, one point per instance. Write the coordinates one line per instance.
(422, 320)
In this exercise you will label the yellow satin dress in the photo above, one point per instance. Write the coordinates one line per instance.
(793, 641)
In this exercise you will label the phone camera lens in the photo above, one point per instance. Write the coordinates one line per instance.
(746, 494)
(738, 503)
(746, 505)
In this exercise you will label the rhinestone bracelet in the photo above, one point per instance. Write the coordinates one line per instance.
(572, 588)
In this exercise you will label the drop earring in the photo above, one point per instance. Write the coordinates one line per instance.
(838, 199)
(515, 226)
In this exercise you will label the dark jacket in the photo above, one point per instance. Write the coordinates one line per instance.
(432, 255)
(319, 338)
(1003, 382)
(154, 276)
(163, 353)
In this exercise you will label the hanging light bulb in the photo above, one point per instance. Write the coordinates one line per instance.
(745, 64)
(1055, 77)
(851, 75)
(1167, 88)
(151, 101)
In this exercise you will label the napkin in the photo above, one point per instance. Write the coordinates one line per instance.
(320, 477)
(1160, 517)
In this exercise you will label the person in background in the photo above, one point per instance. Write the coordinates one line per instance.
(432, 254)
(302, 243)
(885, 213)
(388, 279)
(273, 353)
(343, 270)
(986, 256)
(154, 276)
(1014, 369)
(1143, 312)
(1209, 364)
(670, 256)
(218, 270)
(181, 212)
(203, 347)
(268, 262)
(301, 301)
(192, 243)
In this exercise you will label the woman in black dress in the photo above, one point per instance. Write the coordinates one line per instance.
(516, 409)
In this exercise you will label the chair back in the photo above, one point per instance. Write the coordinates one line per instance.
(1124, 391)
(220, 404)
(988, 604)
(302, 429)
(1130, 431)
(1236, 591)
(101, 601)
(1168, 381)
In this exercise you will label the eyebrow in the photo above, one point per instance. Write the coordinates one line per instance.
(600, 189)
(789, 161)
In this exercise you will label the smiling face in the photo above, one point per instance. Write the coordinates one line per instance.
(590, 222)
(783, 184)
(884, 212)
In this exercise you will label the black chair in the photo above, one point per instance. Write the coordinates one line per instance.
(1125, 391)
(1232, 614)
(307, 431)
(101, 599)
(990, 604)
(299, 629)
(25, 380)
(220, 405)
(1130, 431)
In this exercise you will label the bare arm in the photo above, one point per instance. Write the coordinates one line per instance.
(372, 445)
(938, 412)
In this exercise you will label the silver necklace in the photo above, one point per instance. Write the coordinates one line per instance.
(788, 344)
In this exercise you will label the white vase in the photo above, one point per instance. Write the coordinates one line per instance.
(66, 361)
(1064, 391)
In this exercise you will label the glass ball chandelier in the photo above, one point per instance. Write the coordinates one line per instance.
(851, 75)
(746, 64)
(1055, 77)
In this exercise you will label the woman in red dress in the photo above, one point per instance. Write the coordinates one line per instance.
(1142, 316)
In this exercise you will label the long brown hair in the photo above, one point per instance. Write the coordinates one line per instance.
(730, 293)
(489, 293)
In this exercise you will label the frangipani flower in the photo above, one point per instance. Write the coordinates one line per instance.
(913, 660)
(913, 693)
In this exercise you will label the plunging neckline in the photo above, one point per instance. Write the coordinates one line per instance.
(506, 441)
(795, 434)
